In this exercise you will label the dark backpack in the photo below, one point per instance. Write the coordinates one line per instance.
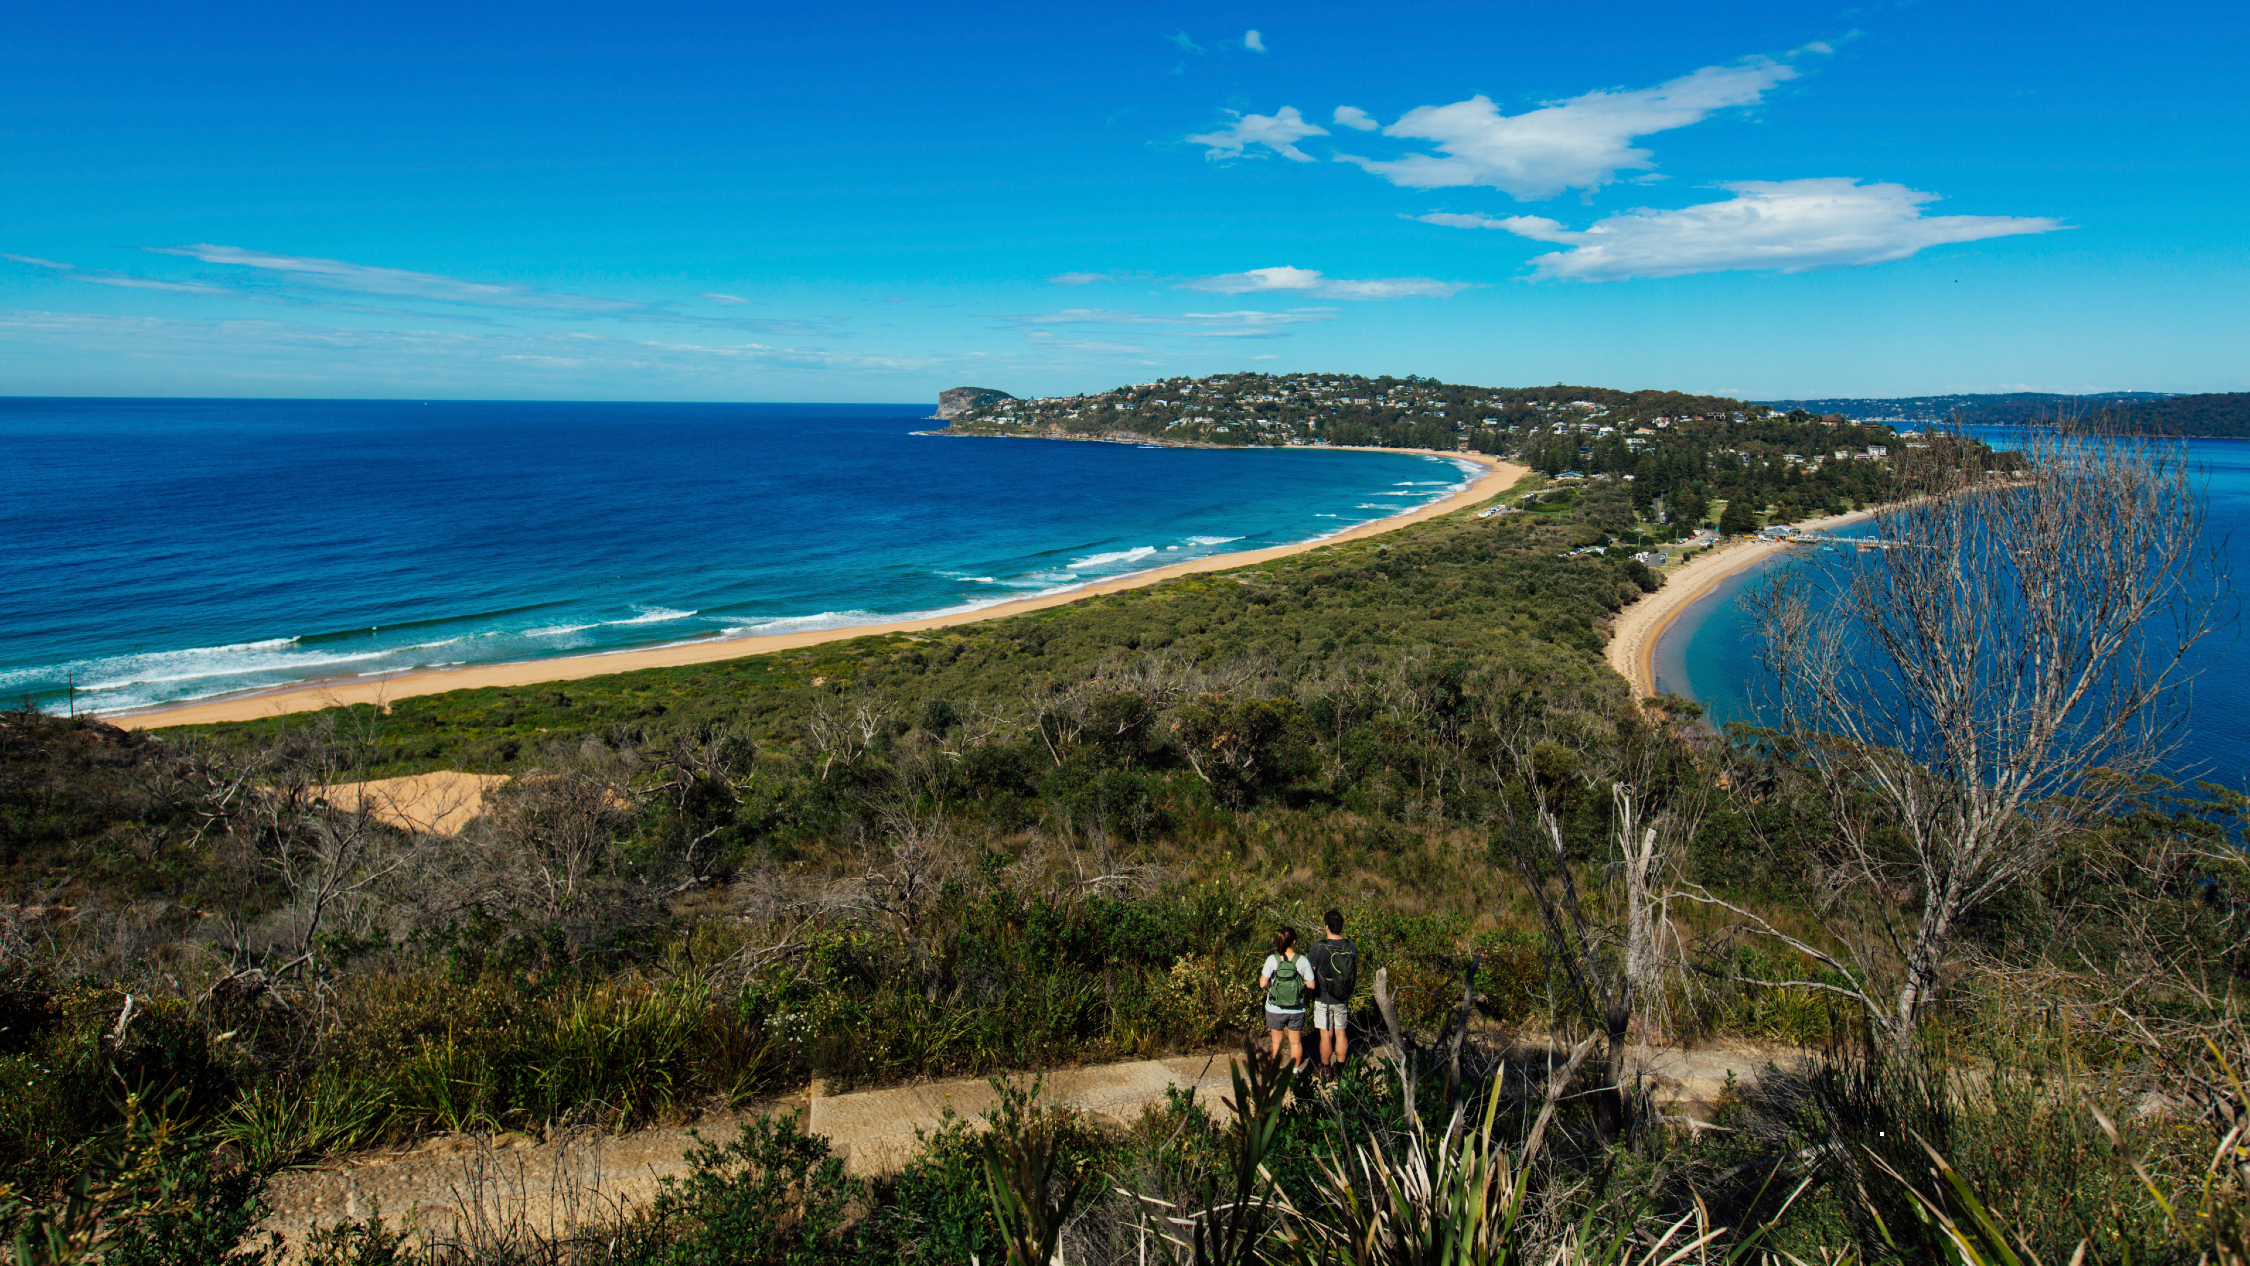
(1287, 992)
(1339, 969)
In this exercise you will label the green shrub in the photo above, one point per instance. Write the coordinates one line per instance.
(775, 1195)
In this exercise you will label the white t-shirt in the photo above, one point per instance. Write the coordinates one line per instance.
(1304, 969)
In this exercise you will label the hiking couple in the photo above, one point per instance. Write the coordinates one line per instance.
(1323, 977)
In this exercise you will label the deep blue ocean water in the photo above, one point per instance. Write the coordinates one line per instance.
(1708, 656)
(165, 550)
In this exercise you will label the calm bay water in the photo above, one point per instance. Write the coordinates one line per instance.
(165, 550)
(1708, 656)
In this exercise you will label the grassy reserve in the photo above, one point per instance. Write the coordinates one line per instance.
(1068, 837)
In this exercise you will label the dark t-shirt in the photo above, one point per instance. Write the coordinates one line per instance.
(1319, 954)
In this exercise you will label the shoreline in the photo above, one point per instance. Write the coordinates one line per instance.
(1634, 637)
(338, 692)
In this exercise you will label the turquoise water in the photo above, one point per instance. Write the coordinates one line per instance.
(1708, 656)
(166, 550)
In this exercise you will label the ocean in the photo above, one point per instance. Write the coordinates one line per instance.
(161, 551)
(1707, 653)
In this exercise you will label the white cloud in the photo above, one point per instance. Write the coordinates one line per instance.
(1050, 342)
(1787, 225)
(1279, 132)
(305, 281)
(131, 282)
(1253, 41)
(341, 275)
(1309, 281)
(1186, 324)
(1356, 119)
(1581, 143)
(257, 349)
(1474, 220)
(1078, 279)
(128, 281)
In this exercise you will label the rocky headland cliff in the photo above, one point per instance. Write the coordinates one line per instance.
(955, 401)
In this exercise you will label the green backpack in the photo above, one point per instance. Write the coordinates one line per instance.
(1287, 992)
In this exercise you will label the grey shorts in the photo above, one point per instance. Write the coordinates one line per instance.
(1285, 1021)
(1331, 1015)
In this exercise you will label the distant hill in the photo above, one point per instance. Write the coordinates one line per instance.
(2209, 416)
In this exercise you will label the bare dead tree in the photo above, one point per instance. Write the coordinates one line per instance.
(1613, 944)
(844, 736)
(550, 833)
(1996, 675)
(298, 811)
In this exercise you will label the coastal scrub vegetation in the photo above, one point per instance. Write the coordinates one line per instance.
(1066, 837)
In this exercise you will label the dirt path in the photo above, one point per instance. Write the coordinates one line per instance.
(489, 1190)
(482, 1190)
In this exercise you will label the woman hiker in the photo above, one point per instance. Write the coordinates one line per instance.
(1287, 979)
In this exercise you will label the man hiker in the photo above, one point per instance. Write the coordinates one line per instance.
(1335, 964)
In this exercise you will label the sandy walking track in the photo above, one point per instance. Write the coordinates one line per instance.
(1497, 476)
(496, 1188)
(1632, 642)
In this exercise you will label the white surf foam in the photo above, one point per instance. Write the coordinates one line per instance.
(653, 615)
(1133, 555)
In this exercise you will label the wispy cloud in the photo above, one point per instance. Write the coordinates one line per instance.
(1079, 279)
(337, 274)
(1580, 143)
(307, 352)
(1278, 132)
(1311, 282)
(103, 277)
(1182, 39)
(1782, 225)
(1185, 324)
(1253, 41)
(1048, 341)
(308, 282)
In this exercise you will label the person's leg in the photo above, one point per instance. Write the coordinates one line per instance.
(1297, 1043)
(1273, 1032)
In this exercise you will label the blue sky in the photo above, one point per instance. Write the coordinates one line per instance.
(875, 201)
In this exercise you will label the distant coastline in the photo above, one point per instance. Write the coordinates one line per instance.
(1496, 477)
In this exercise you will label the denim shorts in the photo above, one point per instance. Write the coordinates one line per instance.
(1331, 1015)
(1285, 1021)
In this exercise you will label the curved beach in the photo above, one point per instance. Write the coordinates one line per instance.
(1632, 641)
(1497, 476)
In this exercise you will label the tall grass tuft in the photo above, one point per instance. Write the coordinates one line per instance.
(276, 1126)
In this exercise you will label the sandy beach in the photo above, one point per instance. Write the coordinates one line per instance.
(1632, 644)
(1497, 476)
